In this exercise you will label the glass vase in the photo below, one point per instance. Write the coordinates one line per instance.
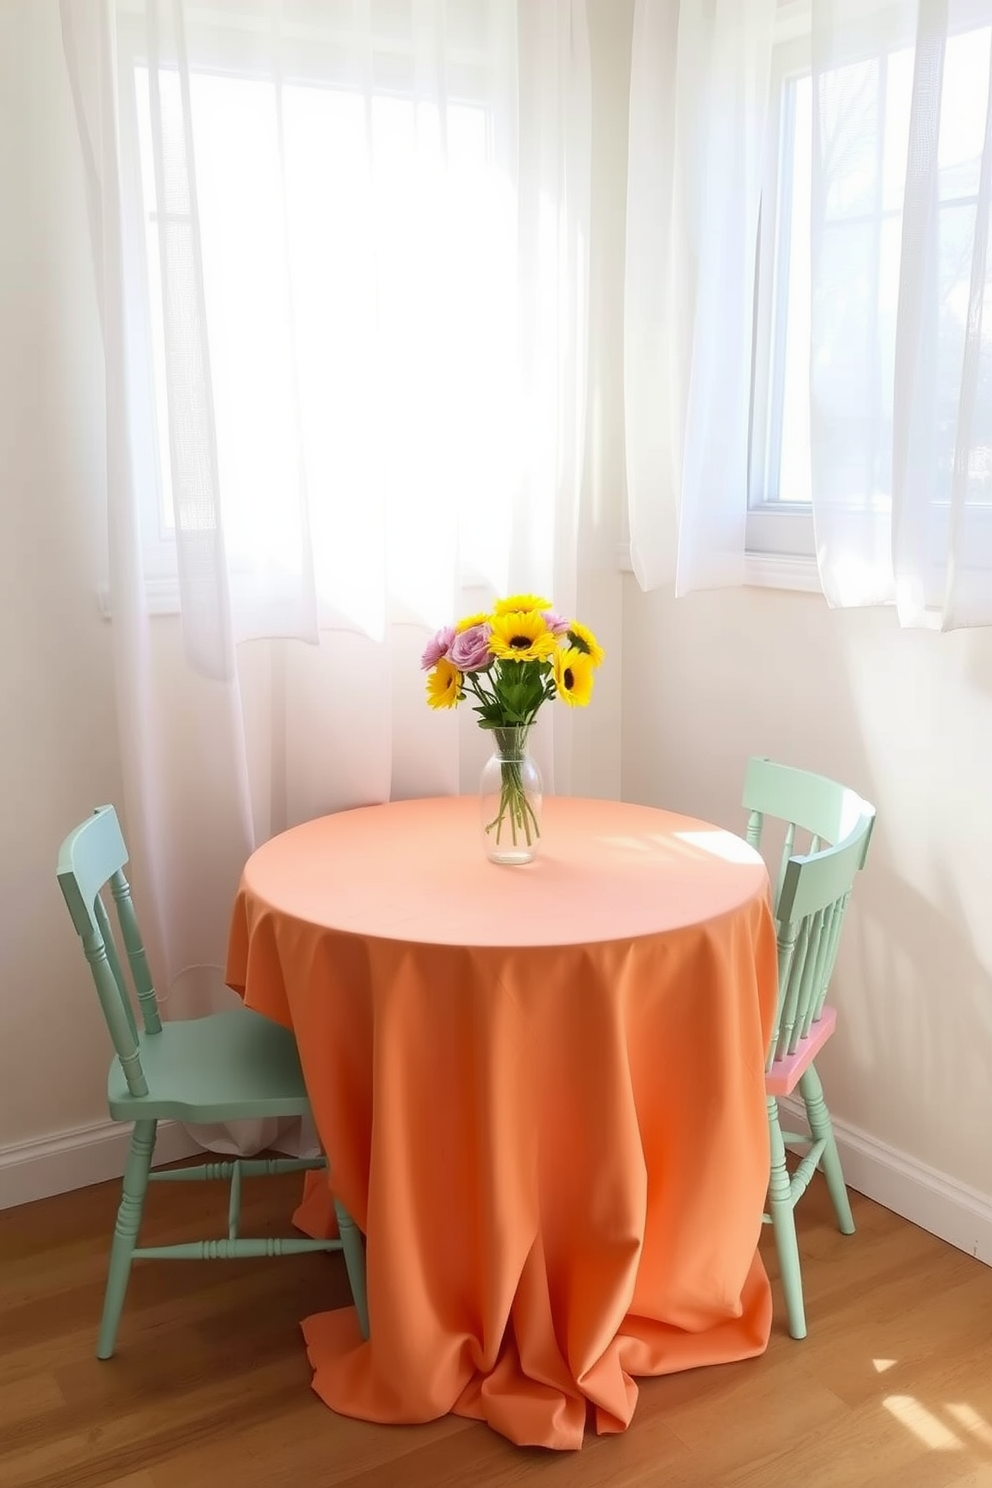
(510, 799)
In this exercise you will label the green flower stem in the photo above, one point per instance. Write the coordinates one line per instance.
(514, 806)
(514, 809)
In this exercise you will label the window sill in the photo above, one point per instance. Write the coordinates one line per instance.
(763, 571)
(782, 571)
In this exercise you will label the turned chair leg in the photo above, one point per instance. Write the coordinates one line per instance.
(354, 1259)
(822, 1129)
(784, 1224)
(136, 1169)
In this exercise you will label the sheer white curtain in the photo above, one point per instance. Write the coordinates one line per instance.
(698, 106)
(898, 145)
(901, 346)
(341, 258)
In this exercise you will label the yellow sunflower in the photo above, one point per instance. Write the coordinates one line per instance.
(574, 671)
(444, 685)
(481, 618)
(520, 603)
(583, 639)
(521, 635)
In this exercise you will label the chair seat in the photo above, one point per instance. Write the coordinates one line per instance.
(785, 1073)
(223, 1067)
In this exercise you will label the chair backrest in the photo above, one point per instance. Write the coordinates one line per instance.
(813, 886)
(91, 860)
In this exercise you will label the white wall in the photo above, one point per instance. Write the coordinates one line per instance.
(58, 748)
(905, 717)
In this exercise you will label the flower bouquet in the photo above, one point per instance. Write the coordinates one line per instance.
(511, 661)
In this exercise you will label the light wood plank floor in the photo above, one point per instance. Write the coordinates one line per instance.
(210, 1386)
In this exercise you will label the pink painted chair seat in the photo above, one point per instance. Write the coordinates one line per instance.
(785, 1073)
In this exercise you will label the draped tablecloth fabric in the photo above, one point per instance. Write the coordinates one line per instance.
(541, 1094)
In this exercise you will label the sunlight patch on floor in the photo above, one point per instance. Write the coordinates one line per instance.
(968, 1417)
(922, 1423)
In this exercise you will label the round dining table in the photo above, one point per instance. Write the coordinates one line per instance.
(540, 1089)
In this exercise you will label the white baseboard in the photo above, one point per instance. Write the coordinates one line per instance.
(74, 1159)
(954, 1212)
(950, 1210)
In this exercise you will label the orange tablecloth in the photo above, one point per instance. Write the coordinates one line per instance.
(541, 1094)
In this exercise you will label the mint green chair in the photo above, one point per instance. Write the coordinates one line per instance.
(224, 1067)
(811, 894)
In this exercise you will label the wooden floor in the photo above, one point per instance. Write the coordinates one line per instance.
(210, 1386)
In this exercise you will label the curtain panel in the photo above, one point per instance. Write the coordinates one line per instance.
(895, 149)
(698, 105)
(341, 256)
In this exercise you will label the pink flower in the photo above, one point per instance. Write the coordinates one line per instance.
(555, 622)
(437, 647)
(470, 649)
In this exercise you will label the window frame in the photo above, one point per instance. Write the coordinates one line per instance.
(780, 541)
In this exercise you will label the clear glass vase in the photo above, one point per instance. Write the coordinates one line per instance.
(510, 799)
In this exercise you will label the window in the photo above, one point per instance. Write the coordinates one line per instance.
(357, 274)
(841, 329)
